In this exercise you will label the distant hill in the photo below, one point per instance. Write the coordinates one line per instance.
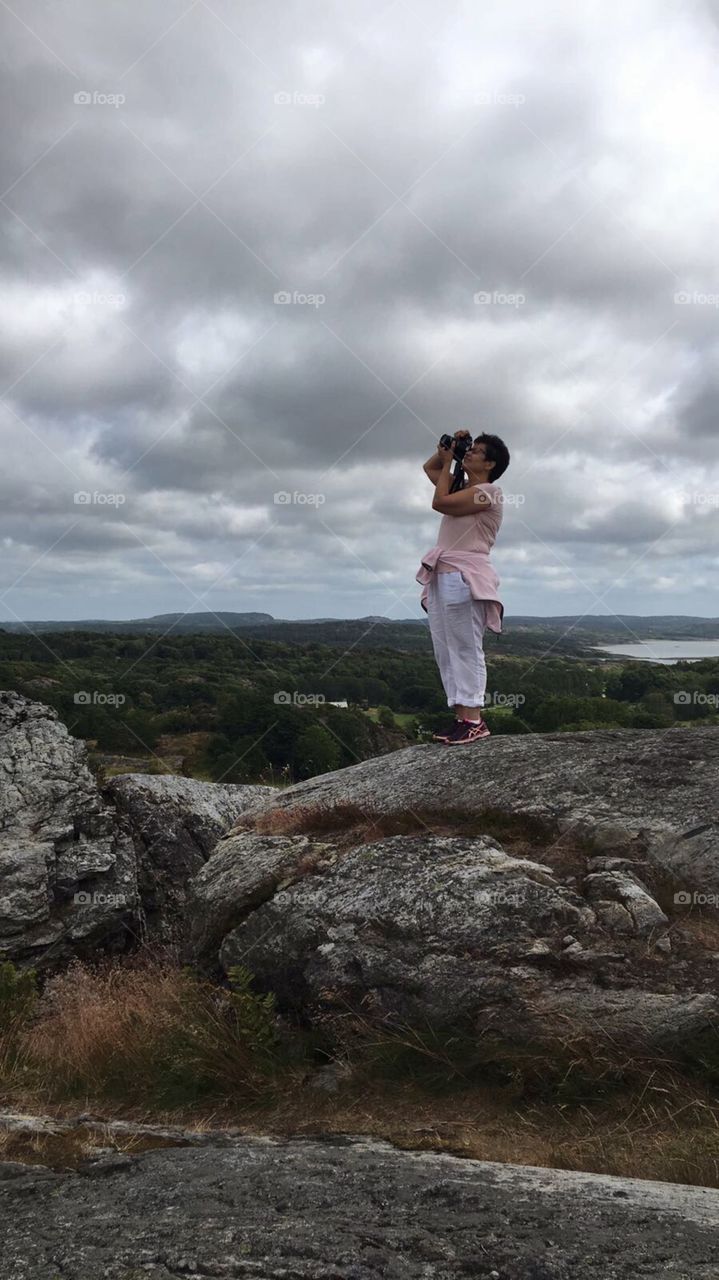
(560, 636)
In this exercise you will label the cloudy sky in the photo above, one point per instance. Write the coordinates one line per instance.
(257, 256)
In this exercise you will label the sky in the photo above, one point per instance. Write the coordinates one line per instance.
(256, 257)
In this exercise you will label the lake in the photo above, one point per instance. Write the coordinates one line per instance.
(666, 651)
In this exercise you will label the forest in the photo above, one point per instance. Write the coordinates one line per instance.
(235, 708)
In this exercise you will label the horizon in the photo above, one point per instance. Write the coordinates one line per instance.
(209, 613)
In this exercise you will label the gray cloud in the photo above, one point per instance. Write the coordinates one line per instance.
(414, 160)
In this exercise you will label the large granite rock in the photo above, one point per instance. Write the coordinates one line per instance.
(80, 870)
(174, 824)
(447, 934)
(346, 1209)
(67, 872)
(650, 792)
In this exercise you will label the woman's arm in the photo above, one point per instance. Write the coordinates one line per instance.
(433, 467)
(465, 502)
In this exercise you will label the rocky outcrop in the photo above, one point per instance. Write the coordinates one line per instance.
(451, 934)
(80, 869)
(449, 925)
(67, 872)
(475, 929)
(174, 824)
(649, 793)
(346, 1209)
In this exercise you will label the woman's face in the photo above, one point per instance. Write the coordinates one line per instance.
(475, 459)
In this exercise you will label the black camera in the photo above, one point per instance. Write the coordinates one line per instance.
(459, 447)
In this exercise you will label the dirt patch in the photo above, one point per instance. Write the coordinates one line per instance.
(68, 1149)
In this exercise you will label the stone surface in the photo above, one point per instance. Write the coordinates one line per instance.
(80, 870)
(346, 1209)
(243, 872)
(67, 872)
(650, 793)
(442, 933)
(174, 824)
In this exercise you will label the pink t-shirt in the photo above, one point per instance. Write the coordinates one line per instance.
(464, 543)
(476, 532)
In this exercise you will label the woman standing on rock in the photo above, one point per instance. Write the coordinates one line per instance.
(461, 587)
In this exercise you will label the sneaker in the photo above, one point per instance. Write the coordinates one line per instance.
(448, 733)
(466, 731)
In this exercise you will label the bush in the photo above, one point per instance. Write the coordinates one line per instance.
(149, 1033)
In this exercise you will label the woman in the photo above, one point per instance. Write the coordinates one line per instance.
(460, 584)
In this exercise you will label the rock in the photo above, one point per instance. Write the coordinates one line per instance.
(243, 872)
(614, 917)
(81, 870)
(174, 824)
(661, 782)
(614, 864)
(434, 932)
(691, 853)
(663, 944)
(618, 886)
(350, 1209)
(67, 872)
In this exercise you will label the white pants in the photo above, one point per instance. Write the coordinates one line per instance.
(457, 624)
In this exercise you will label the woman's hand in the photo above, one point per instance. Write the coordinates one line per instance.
(458, 435)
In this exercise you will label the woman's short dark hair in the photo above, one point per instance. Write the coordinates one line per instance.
(496, 451)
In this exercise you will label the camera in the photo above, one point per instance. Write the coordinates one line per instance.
(459, 447)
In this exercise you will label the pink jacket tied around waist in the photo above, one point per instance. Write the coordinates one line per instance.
(463, 544)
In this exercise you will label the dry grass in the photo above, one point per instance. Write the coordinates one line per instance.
(143, 1031)
(524, 837)
(151, 1043)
